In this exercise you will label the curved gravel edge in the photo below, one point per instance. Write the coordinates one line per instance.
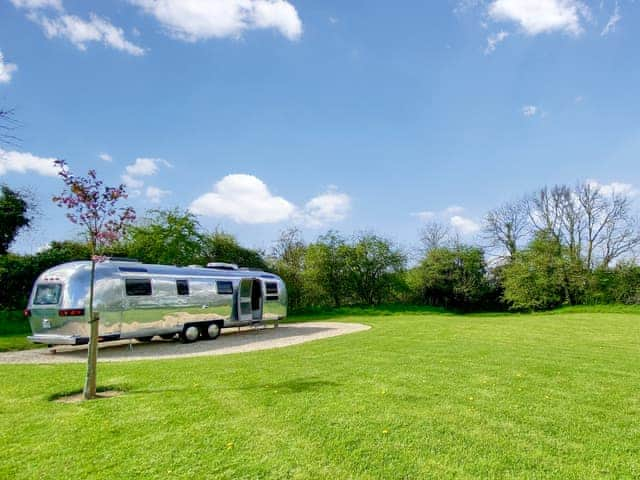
(231, 341)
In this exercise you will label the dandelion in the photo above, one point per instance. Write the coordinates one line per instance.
(385, 431)
(229, 445)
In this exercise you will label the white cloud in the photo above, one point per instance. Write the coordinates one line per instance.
(105, 157)
(144, 167)
(425, 215)
(613, 21)
(38, 4)
(614, 188)
(329, 207)
(453, 210)
(6, 69)
(131, 182)
(464, 225)
(529, 110)
(80, 32)
(244, 199)
(155, 194)
(541, 16)
(453, 216)
(333, 20)
(23, 162)
(193, 20)
(493, 40)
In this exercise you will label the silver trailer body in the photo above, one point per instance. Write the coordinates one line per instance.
(137, 300)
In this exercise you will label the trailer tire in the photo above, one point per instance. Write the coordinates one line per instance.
(211, 331)
(189, 334)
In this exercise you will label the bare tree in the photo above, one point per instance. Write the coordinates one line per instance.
(595, 228)
(8, 124)
(546, 208)
(506, 226)
(435, 235)
(610, 228)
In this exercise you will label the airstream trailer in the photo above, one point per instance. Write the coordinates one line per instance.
(141, 301)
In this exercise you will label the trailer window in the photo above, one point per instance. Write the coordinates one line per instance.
(271, 287)
(47, 294)
(137, 287)
(183, 287)
(225, 288)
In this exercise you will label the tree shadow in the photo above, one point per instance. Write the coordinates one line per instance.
(295, 385)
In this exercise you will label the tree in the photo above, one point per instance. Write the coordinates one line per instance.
(435, 235)
(14, 216)
(223, 247)
(19, 272)
(454, 277)
(326, 269)
(288, 255)
(595, 228)
(544, 275)
(506, 226)
(170, 237)
(7, 125)
(375, 267)
(610, 229)
(94, 207)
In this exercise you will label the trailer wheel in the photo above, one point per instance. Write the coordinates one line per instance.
(211, 331)
(144, 339)
(190, 333)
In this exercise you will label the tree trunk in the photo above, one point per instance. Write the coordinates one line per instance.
(92, 357)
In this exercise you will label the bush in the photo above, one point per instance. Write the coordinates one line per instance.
(453, 278)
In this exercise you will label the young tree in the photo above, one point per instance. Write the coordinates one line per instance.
(94, 207)
(14, 216)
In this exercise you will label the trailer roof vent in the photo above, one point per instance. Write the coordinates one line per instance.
(123, 259)
(222, 266)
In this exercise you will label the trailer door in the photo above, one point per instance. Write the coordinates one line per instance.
(244, 300)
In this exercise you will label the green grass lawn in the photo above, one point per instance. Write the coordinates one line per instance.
(14, 329)
(420, 395)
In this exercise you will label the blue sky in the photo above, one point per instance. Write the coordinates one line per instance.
(261, 114)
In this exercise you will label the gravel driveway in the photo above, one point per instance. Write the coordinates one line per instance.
(231, 341)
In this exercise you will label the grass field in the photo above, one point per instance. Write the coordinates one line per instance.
(420, 395)
(14, 329)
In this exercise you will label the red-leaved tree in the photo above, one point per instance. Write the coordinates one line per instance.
(95, 208)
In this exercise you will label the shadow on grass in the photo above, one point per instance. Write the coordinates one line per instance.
(296, 385)
(104, 390)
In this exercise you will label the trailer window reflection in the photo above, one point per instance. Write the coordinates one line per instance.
(225, 288)
(137, 287)
(183, 287)
(48, 294)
